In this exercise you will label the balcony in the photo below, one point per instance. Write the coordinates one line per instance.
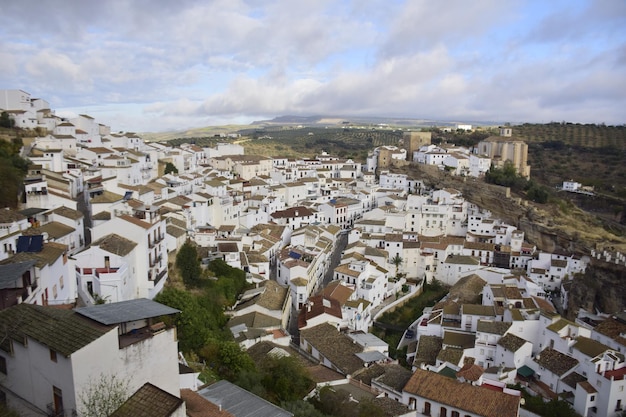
(51, 412)
(155, 261)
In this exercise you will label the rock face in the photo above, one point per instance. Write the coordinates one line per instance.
(602, 287)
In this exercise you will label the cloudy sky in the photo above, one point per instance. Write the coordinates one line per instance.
(154, 65)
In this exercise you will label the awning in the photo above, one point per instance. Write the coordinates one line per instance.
(525, 371)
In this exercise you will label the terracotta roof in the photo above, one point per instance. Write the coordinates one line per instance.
(394, 376)
(427, 350)
(554, 361)
(272, 297)
(460, 340)
(451, 355)
(590, 347)
(470, 372)
(338, 291)
(573, 379)
(493, 326)
(464, 396)
(10, 216)
(612, 328)
(136, 221)
(50, 253)
(511, 342)
(54, 230)
(316, 306)
(63, 331)
(68, 212)
(115, 244)
(292, 212)
(338, 348)
(478, 310)
(107, 197)
(149, 401)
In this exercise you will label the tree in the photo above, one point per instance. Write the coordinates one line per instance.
(170, 168)
(227, 358)
(188, 264)
(194, 323)
(285, 379)
(103, 396)
(6, 121)
(397, 261)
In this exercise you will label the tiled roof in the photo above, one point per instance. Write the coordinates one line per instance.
(50, 253)
(136, 221)
(492, 326)
(149, 401)
(391, 407)
(612, 328)
(106, 197)
(272, 297)
(316, 306)
(554, 361)
(451, 355)
(427, 350)
(115, 244)
(461, 340)
(292, 212)
(478, 310)
(255, 320)
(511, 342)
(395, 376)
(338, 348)
(590, 347)
(54, 230)
(473, 399)
(198, 406)
(470, 372)
(573, 379)
(63, 331)
(338, 291)
(68, 213)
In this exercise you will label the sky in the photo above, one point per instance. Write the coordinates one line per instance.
(161, 65)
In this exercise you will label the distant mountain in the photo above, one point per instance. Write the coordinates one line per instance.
(362, 120)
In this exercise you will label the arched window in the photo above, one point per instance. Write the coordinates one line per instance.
(427, 408)
(443, 412)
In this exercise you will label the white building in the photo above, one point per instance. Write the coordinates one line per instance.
(71, 350)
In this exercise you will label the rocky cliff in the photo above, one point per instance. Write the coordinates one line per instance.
(551, 228)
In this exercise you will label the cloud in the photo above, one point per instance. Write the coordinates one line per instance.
(153, 64)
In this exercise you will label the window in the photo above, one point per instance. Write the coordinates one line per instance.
(3, 365)
(53, 355)
(427, 408)
(455, 414)
(593, 398)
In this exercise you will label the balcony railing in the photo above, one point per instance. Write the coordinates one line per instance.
(51, 412)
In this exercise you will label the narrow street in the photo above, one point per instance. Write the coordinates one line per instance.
(342, 242)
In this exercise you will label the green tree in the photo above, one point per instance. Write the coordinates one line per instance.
(227, 358)
(6, 121)
(330, 401)
(285, 379)
(188, 264)
(397, 261)
(170, 168)
(230, 283)
(193, 323)
(13, 168)
(103, 396)
(301, 408)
